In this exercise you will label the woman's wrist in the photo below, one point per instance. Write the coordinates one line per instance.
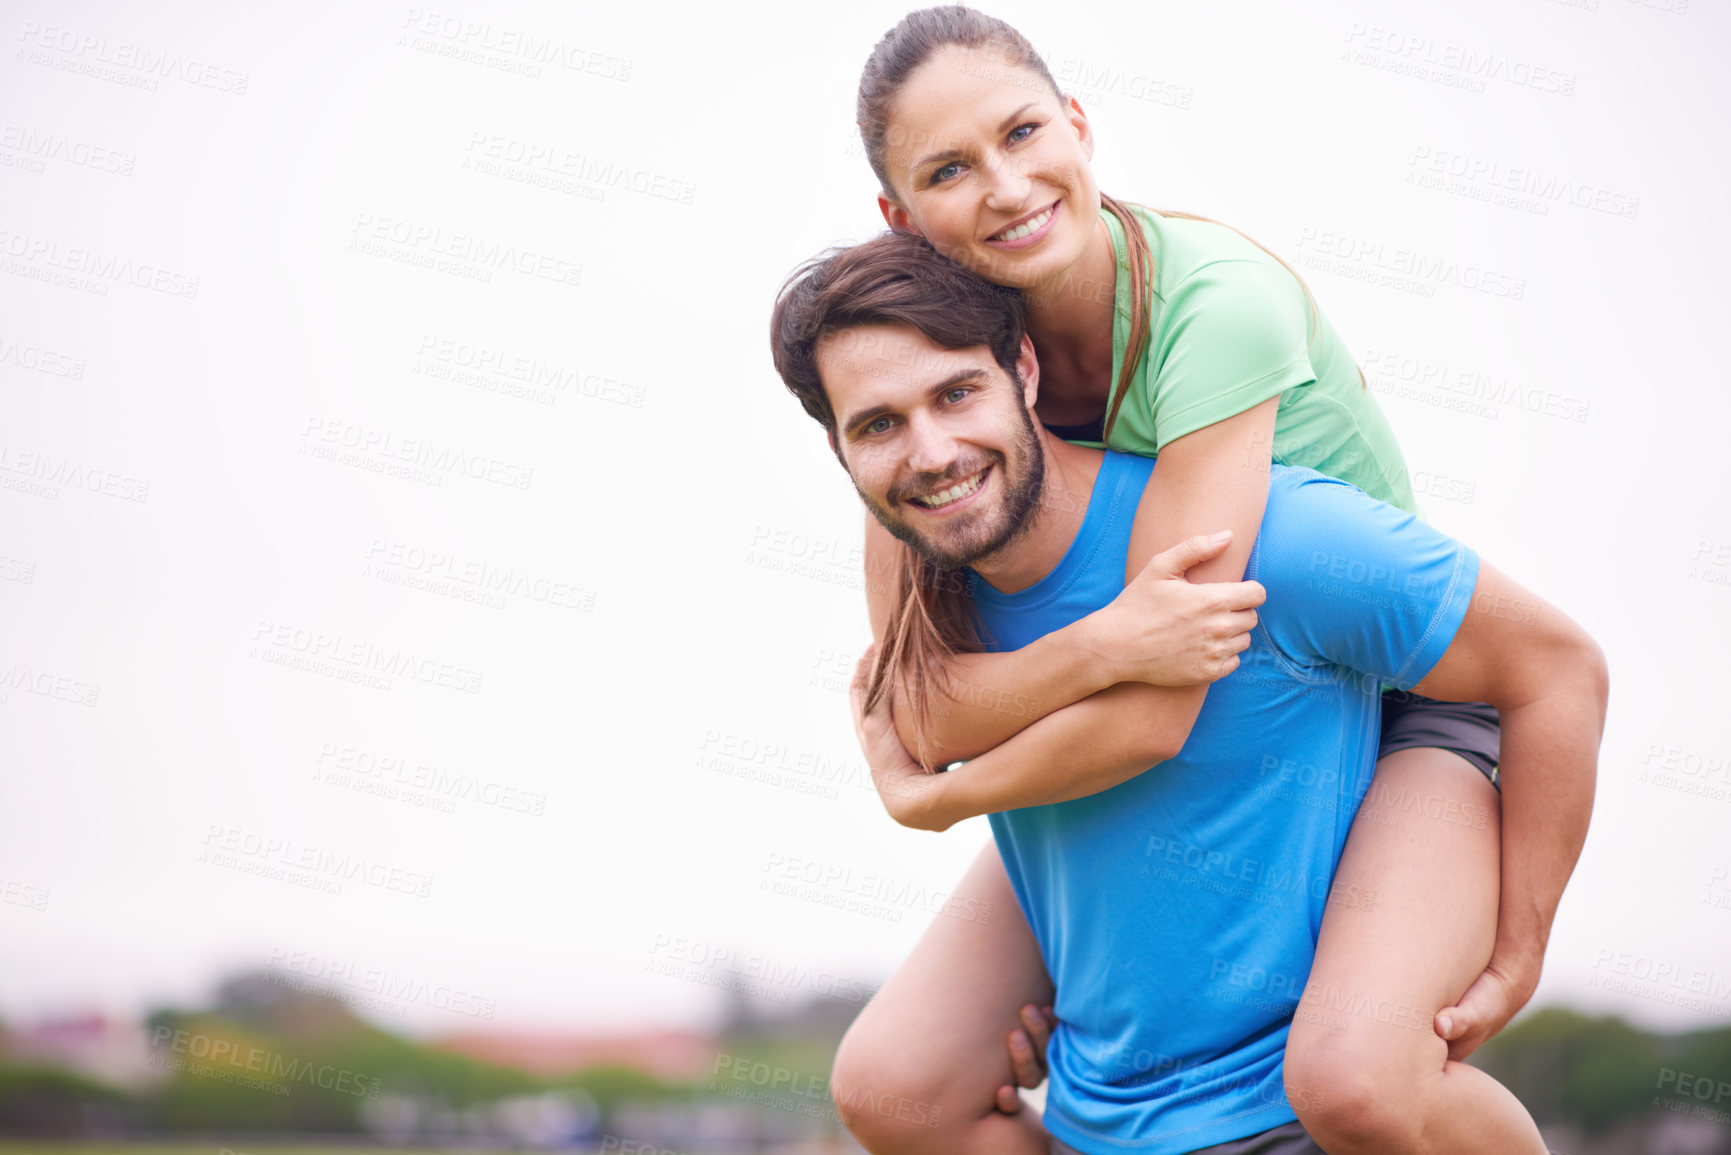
(1092, 640)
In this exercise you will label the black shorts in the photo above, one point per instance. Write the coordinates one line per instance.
(1471, 729)
(1288, 1139)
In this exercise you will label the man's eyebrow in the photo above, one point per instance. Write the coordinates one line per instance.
(866, 416)
(953, 152)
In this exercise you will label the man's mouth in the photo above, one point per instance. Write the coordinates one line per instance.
(1028, 227)
(946, 497)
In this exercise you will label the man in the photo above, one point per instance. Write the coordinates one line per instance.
(1182, 910)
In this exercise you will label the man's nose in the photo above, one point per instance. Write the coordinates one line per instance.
(931, 449)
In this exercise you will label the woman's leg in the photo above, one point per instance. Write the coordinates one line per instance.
(920, 1068)
(1365, 1069)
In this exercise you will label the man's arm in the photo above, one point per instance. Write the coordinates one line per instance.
(1549, 682)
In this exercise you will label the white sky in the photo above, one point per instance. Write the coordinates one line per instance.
(674, 482)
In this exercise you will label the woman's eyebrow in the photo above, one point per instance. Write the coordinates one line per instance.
(1009, 121)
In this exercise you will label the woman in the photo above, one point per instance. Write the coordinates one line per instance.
(1171, 334)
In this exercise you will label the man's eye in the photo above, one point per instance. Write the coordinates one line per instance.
(956, 394)
(881, 425)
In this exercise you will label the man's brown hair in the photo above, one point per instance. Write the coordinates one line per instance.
(899, 279)
(893, 279)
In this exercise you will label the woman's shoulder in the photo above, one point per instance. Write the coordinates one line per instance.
(1186, 246)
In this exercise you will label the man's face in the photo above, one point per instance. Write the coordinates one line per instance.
(939, 442)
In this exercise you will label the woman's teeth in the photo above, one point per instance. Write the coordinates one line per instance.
(954, 493)
(1023, 230)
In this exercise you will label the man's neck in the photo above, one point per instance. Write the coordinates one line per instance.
(1054, 521)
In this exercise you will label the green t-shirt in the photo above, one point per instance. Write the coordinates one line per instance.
(1228, 328)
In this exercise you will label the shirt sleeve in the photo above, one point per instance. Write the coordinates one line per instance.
(1232, 334)
(1356, 582)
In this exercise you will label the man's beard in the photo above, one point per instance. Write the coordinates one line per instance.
(1020, 506)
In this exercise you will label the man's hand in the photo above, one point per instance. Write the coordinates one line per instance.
(904, 786)
(1167, 632)
(1027, 1046)
(1490, 1002)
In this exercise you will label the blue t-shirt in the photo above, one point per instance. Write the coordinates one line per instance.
(1177, 913)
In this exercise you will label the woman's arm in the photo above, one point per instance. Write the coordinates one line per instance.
(1162, 630)
(1216, 475)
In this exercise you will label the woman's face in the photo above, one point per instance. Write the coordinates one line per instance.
(991, 168)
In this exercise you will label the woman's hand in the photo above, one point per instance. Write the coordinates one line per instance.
(1165, 631)
(904, 786)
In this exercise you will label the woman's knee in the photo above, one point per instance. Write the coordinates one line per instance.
(886, 1097)
(1352, 1094)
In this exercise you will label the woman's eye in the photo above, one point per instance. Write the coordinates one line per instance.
(945, 173)
(1022, 132)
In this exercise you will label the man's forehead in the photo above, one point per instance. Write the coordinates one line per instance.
(891, 355)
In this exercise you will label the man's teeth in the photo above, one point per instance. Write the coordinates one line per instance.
(954, 493)
(1023, 230)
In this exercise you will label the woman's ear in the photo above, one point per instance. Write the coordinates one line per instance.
(1079, 121)
(1028, 369)
(896, 216)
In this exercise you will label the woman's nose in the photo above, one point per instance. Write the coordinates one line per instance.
(1007, 184)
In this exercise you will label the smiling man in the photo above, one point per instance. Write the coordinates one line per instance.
(1160, 872)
